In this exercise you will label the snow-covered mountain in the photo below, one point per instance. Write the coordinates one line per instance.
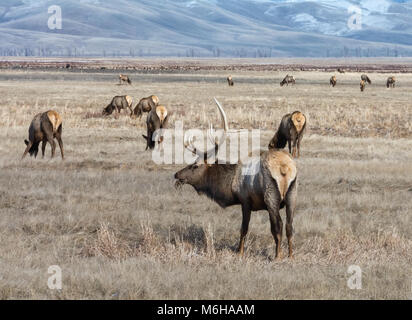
(207, 28)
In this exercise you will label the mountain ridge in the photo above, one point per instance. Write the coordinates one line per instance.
(219, 28)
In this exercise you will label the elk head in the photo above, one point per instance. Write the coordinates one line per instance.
(195, 173)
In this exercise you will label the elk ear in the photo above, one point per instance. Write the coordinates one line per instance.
(26, 142)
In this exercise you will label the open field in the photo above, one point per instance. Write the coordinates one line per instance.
(112, 220)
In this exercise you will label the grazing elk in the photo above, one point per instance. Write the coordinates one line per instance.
(364, 77)
(145, 105)
(362, 85)
(157, 119)
(230, 81)
(286, 80)
(390, 82)
(124, 79)
(44, 128)
(118, 103)
(340, 70)
(333, 81)
(268, 183)
(291, 130)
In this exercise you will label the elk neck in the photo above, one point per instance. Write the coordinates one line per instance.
(217, 184)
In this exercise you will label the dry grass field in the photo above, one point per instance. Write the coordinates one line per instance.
(114, 223)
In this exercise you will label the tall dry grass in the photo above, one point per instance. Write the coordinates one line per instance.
(111, 219)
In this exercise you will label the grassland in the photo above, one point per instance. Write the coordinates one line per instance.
(112, 220)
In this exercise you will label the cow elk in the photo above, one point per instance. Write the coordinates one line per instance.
(230, 81)
(390, 82)
(44, 128)
(286, 80)
(124, 79)
(145, 105)
(290, 131)
(118, 103)
(268, 183)
(333, 81)
(157, 119)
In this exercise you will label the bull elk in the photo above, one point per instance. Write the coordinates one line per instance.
(332, 81)
(362, 85)
(118, 103)
(157, 119)
(230, 81)
(290, 131)
(390, 82)
(124, 79)
(145, 105)
(288, 79)
(44, 128)
(364, 77)
(268, 183)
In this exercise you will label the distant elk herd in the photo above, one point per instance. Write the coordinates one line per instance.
(271, 186)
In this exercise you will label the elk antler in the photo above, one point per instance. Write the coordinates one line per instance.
(188, 141)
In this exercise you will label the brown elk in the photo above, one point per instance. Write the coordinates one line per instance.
(288, 79)
(118, 103)
(145, 105)
(390, 82)
(362, 85)
(44, 128)
(364, 77)
(333, 81)
(268, 183)
(157, 119)
(290, 131)
(230, 81)
(124, 79)
(340, 70)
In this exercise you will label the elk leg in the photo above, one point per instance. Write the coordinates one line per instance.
(60, 141)
(244, 229)
(290, 210)
(43, 147)
(50, 139)
(29, 145)
(294, 149)
(276, 224)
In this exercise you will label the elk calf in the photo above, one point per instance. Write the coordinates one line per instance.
(145, 105)
(268, 183)
(118, 103)
(124, 79)
(390, 82)
(286, 80)
(44, 128)
(157, 119)
(332, 81)
(230, 81)
(291, 130)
